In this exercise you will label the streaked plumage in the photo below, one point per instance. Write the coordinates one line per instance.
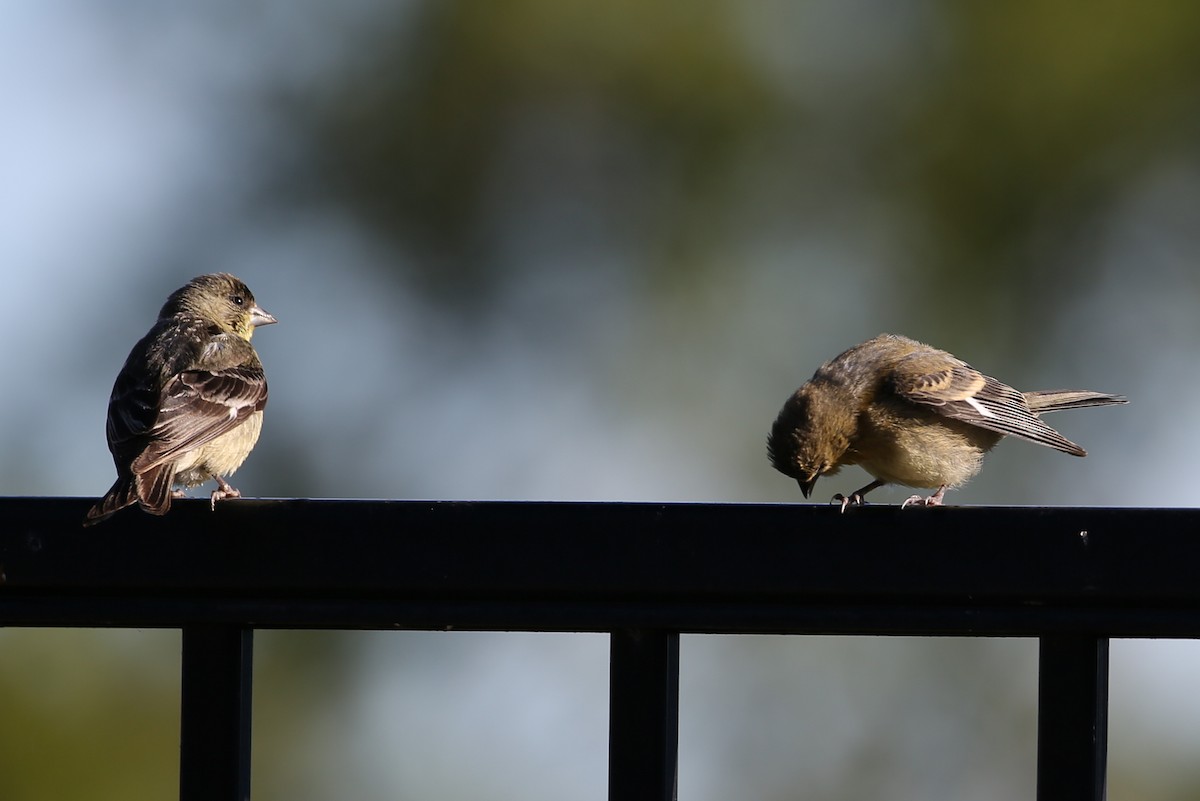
(909, 414)
(187, 406)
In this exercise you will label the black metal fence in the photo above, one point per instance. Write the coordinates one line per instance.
(642, 572)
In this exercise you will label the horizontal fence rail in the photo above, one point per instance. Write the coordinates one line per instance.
(597, 567)
(642, 572)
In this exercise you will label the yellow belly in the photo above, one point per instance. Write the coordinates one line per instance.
(927, 451)
(222, 456)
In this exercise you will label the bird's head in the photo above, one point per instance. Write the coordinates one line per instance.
(810, 436)
(220, 298)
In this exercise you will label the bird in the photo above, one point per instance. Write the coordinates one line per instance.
(909, 414)
(188, 404)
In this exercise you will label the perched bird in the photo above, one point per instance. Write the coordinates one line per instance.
(188, 404)
(909, 414)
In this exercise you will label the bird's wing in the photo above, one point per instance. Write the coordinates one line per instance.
(198, 406)
(958, 391)
(132, 410)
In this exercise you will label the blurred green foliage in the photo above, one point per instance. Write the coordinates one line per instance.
(89, 715)
(414, 135)
(1035, 116)
(1003, 124)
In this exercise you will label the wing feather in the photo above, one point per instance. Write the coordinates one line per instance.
(198, 406)
(960, 392)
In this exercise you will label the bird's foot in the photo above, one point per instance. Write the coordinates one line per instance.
(179, 493)
(224, 490)
(933, 500)
(859, 496)
(853, 499)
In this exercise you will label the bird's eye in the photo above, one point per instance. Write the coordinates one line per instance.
(238, 299)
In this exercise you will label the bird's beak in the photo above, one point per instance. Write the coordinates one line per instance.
(807, 486)
(260, 317)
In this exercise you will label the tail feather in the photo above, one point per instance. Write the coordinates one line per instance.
(122, 494)
(151, 490)
(1054, 400)
(154, 489)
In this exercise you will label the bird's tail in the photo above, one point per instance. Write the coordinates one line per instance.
(122, 494)
(152, 490)
(1053, 400)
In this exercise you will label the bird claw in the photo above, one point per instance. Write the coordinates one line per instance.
(933, 500)
(220, 495)
(223, 491)
(853, 499)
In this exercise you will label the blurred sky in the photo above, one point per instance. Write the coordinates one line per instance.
(547, 250)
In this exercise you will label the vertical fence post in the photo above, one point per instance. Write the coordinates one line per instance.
(643, 715)
(1072, 718)
(214, 753)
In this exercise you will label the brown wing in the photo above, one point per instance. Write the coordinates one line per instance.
(198, 406)
(958, 391)
(132, 410)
